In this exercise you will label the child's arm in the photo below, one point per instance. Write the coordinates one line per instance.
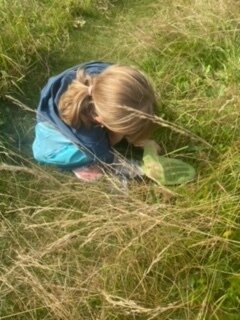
(144, 142)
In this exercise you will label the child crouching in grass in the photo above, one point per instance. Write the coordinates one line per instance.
(86, 110)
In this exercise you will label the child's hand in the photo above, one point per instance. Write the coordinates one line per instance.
(143, 142)
(88, 173)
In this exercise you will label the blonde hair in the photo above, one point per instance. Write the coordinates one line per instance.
(120, 95)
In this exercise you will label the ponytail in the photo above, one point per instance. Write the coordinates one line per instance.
(76, 107)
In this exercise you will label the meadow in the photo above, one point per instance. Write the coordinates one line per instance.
(76, 251)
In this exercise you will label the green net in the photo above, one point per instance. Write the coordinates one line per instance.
(164, 170)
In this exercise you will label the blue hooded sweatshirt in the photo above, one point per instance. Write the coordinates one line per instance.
(55, 142)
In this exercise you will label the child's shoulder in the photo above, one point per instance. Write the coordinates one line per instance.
(91, 67)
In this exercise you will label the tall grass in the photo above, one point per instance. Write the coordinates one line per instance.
(33, 32)
(77, 251)
(71, 250)
(194, 63)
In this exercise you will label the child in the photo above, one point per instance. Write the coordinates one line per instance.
(86, 110)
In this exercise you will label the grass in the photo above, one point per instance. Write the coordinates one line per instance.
(34, 32)
(71, 250)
